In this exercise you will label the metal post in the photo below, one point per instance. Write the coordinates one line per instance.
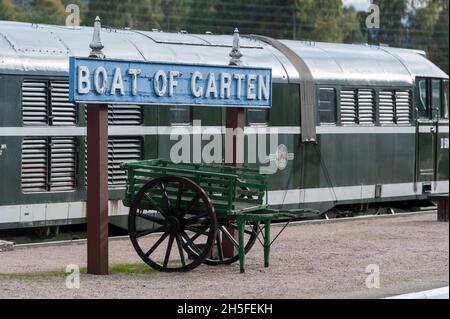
(266, 242)
(241, 229)
(235, 119)
(97, 175)
(442, 207)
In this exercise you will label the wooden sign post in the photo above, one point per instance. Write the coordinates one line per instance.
(234, 143)
(97, 175)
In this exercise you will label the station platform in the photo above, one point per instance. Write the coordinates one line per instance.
(439, 293)
(331, 259)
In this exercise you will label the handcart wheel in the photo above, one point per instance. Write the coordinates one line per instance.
(176, 209)
(218, 257)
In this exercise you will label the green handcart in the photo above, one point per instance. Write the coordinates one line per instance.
(196, 210)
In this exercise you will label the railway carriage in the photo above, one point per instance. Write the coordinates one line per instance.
(364, 124)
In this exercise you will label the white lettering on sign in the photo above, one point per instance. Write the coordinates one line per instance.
(100, 73)
(263, 87)
(220, 85)
(196, 91)
(134, 74)
(84, 80)
(239, 78)
(172, 82)
(444, 143)
(211, 86)
(225, 85)
(251, 86)
(160, 88)
(117, 83)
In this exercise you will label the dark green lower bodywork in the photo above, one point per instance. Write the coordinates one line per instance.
(351, 158)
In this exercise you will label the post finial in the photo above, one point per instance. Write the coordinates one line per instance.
(235, 53)
(96, 44)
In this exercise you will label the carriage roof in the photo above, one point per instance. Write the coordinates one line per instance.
(34, 49)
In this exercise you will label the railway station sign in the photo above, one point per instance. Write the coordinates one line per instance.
(106, 81)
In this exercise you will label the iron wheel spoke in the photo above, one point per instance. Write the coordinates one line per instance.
(154, 219)
(169, 248)
(158, 242)
(148, 232)
(195, 237)
(180, 249)
(155, 205)
(248, 232)
(219, 246)
(231, 238)
(192, 219)
(179, 194)
(165, 196)
(191, 243)
(196, 230)
(192, 203)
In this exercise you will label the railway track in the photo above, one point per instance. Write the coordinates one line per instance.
(303, 222)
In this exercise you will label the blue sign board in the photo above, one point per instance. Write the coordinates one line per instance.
(105, 81)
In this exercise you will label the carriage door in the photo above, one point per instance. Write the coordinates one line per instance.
(428, 109)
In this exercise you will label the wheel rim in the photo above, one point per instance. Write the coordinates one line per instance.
(167, 212)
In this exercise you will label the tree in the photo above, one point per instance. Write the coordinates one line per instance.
(46, 11)
(392, 21)
(320, 20)
(9, 11)
(39, 11)
(329, 21)
(439, 45)
(422, 23)
(136, 14)
(351, 27)
(267, 17)
(175, 13)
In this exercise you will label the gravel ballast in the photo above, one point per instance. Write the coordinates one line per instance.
(317, 260)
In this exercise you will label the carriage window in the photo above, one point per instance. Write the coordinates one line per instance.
(327, 106)
(423, 99)
(436, 96)
(444, 109)
(180, 115)
(257, 116)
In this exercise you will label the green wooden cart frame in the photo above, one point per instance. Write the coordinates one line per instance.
(199, 208)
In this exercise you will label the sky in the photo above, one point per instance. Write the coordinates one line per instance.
(360, 5)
